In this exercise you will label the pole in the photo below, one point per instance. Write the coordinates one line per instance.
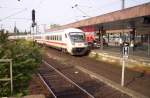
(123, 71)
(36, 28)
(1, 26)
(125, 58)
(33, 34)
(102, 31)
(123, 4)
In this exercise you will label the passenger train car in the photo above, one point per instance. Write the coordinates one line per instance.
(71, 40)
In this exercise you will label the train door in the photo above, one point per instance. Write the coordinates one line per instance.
(66, 41)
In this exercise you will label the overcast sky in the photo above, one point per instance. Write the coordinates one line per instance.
(55, 11)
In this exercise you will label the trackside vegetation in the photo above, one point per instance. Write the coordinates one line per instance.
(26, 56)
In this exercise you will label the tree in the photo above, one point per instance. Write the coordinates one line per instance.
(26, 55)
(3, 37)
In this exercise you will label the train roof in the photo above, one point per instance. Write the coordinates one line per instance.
(66, 30)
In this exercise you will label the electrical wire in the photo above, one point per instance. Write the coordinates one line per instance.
(40, 3)
(25, 19)
(11, 7)
(14, 14)
(76, 6)
(95, 9)
(82, 12)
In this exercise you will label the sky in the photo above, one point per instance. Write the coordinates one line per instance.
(14, 12)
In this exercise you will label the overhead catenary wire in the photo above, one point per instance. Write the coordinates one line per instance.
(95, 8)
(76, 6)
(3, 7)
(14, 14)
(40, 3)
(136, 1)
(94, 4)
(24, 19)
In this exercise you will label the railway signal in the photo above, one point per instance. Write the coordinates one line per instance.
(33, 19)
(33, 16)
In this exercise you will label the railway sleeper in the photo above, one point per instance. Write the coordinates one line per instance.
(69, 92)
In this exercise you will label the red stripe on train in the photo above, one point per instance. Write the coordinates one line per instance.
(50, 42)
(58, 43)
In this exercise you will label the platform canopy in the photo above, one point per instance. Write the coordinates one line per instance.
(134, 17)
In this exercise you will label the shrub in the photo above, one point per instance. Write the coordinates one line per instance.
(26, 55)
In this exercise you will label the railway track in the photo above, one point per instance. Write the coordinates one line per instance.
(59, 85)
(67, 82)
(134, 79)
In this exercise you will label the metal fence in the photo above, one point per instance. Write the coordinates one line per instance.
(11, 76)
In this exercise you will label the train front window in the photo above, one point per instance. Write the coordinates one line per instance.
(77, 36)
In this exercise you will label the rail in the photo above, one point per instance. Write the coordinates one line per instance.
(49, 89)
(91, 96)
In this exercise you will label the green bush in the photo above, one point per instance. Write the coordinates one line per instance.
(26, 55)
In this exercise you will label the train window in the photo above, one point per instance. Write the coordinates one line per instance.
(66, 35)
(60, 37)
(49, 37)
(52, 37)
(56, 37)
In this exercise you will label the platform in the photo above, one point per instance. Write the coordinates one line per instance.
(114, 55)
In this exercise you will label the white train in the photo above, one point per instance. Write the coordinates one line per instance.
(71, 40)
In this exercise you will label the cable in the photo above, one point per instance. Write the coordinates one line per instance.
(131, 3)
(94, 4)
(18, 19)
(14, 14)
(82, 12)
(76, 6)
(40, 3)
(11, 7)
